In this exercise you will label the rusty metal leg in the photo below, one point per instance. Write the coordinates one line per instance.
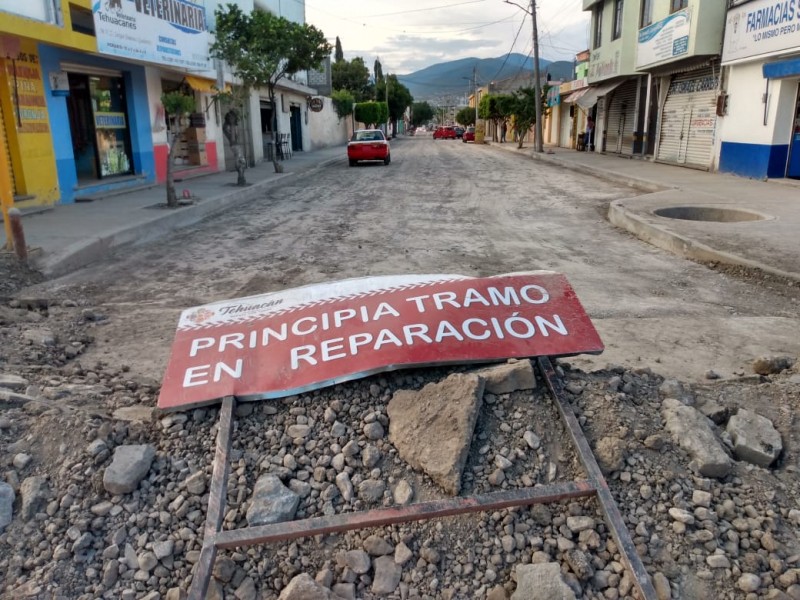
(217, 502)
(616, 525)
(420, 511)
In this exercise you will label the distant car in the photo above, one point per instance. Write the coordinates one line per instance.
(469, 135)
(368, 144)
(459, 131)
(446, 132)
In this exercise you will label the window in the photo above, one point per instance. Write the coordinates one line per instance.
(647, 13)
(617, 31)
(679, 4)
(598, 26)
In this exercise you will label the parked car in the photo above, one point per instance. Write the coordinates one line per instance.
(459, 131)
(446, 132)
(368, 144)
(469, 135)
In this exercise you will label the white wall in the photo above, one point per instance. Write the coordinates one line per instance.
(744, 122)
(326, 129)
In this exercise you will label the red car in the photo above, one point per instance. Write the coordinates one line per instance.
(469, 135)
(368, 144)
(445, 133)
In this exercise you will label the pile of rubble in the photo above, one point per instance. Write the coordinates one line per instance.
(101, 498)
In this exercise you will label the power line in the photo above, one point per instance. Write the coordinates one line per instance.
(511, 49)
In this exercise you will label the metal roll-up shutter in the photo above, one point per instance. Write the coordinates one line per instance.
(622, 119)
(689, 119)
(565, 136)
(8, 165)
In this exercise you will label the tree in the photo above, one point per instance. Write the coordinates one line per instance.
(352, 76)
(338, 55)
(372, 113)
(399, 98)
(466, 116)
(495, 108)
(262, 48)
(421, 113)
(378, 71)
(524, 110)
(178, 106)
(343, 102)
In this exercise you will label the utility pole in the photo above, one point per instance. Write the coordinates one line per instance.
(537, 84)
(475, 92)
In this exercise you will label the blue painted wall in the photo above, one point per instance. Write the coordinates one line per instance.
(138, 119)
(753, 160)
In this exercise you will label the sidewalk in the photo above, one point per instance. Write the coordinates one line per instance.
(68, 237)
(722, 218)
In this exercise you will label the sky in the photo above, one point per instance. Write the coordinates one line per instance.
(409, 35)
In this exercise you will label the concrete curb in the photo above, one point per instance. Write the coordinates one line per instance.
(634, 182)
(680, 245)
(619, 216)
(81, 254)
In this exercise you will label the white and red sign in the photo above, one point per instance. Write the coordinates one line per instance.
(284, 343)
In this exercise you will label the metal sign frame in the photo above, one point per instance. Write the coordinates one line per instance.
(595, 485)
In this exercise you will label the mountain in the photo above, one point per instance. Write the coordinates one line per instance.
(454, 78)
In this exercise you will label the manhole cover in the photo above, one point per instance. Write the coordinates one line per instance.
(707, 213)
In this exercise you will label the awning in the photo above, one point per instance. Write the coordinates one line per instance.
(572, 97)
(201, 84)
(784, 68)
(589, 99)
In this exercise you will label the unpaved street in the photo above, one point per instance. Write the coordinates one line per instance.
(699, 445)
(449, 207)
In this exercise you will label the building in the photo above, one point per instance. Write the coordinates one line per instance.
(617, 92)
(570, 118)
(679, 46)
(760, 124)
(80, 96)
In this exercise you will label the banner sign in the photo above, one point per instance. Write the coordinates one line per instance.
(284, 343)
(169, 32)
(665, 39)
(761, 27)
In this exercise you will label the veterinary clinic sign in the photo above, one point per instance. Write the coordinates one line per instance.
(760, 28)
(288, 342)
(664, 40)
(169, 32)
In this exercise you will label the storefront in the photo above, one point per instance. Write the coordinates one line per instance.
(572, 120)
(622, 108)
(760, 129)
(99, 116)
(688, 118)
(27, 128)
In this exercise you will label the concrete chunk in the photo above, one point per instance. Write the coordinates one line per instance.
(754, 438)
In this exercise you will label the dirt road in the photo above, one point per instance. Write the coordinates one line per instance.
(448, 207)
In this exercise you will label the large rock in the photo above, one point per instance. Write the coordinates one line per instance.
(128, 467)
(692, 432)
(35, 494)
(509, 377)
(754, 438)
(303, 587)
(769, 365)
(432, 428)
(6, 505)
(387, 575)
(13, 382)
(272, 502)
(541, 582)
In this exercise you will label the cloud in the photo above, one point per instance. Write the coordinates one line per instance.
(420, 33)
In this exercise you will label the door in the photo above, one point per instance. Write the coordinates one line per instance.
(689, 119)
(622, 118)
(793, 168)
(296, 129)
